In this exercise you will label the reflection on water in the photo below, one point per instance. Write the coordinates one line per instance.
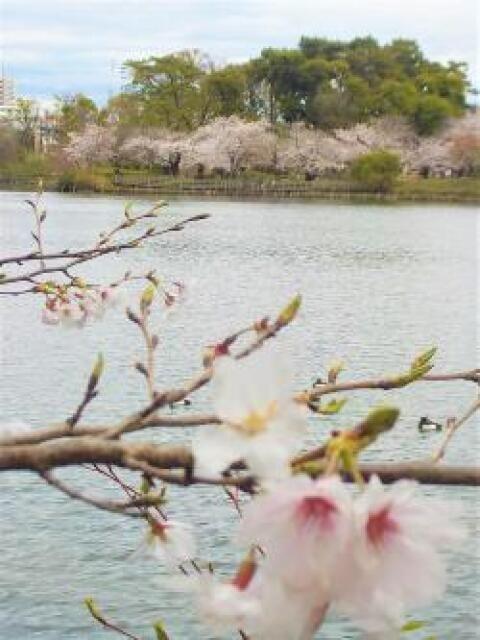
(380, 283)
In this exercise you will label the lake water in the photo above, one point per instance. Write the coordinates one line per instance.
(380, 283)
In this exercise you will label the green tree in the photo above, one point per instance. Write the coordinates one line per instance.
(225, 91)
(407, 56)
(339, 105)
(431, 113)
(74, 113)
(328, 83)
(26, 118)
(377, 170)
(279, 77)
(397, 97)
(170, 89)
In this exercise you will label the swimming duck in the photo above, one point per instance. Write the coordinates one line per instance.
(425, 424)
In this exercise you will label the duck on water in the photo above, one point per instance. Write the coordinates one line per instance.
(425, 425)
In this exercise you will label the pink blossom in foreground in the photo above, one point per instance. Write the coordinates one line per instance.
(170, 541)
(224, 606)
(286, 613)
(260, 605)
(396, 559)
(261, 424)
(305, 527)
(372, 557)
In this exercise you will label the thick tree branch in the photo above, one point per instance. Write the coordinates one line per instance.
(161, 460)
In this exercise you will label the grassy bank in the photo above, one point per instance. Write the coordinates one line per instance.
(252, 185)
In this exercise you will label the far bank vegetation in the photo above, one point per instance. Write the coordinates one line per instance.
(307, 112)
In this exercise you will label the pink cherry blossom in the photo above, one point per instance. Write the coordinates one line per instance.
(94, 144)
(286, 612)
(170, 541)
(225, 606)
(305, 527)
(396, 554)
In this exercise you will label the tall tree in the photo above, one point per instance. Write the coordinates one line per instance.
(170, 89)
(74, 113)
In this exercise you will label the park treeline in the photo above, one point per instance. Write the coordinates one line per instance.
(286, 112)
(325, 83)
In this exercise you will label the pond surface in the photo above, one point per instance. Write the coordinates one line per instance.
(380, 283)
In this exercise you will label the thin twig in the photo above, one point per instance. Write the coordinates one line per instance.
(103, 504)
(453, 428)
(385, 384)
(76, 258)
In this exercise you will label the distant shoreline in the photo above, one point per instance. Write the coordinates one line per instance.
(455, 190)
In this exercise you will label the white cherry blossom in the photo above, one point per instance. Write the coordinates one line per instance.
(170, 541)
(261, 423)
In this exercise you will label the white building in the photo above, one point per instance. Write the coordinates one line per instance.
(7, 96)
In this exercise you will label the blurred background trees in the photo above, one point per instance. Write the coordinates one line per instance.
(317, 107)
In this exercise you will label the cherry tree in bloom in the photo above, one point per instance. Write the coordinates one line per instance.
(139, 150)
(231, 144)
(94, 145)
(162, 148)
(261, 424)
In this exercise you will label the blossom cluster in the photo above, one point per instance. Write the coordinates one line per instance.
(228, 145)
(76, 309)
(370, 556)
(315, 544)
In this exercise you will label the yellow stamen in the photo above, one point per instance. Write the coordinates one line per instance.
(256, 421)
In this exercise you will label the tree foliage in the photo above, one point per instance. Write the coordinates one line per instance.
(327, 83)
(74, 113)
(377, 170)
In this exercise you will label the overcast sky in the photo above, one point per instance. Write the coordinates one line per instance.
(65, 46)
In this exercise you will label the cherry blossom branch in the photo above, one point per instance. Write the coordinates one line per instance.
(107, 624)
(79, 257)
(385, 384)
(422, 472)
(148, 418)
(63, 429)
(264, 330)
(161, 460)
(150, 339)
(100, 247)
(453, 427)
(103, 504)
(40, 217)
(90, 393)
